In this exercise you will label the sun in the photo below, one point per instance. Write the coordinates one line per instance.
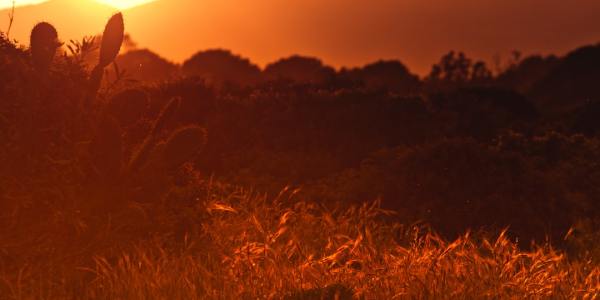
(124, 4)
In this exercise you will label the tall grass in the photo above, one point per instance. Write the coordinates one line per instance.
(235, 244)
(76, 223)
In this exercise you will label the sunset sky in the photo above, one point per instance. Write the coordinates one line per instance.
(341, 32)
(122, 4)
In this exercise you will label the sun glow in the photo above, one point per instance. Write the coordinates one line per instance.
(120, 4)
(9, 3)
(124, 4)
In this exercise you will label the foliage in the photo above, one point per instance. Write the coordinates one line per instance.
(457, 70)
(231, 243)
(145, 66)
(571, 82)
(299, 69)
(131, 187)
(524, 75)
(221, 67)
(391, 75)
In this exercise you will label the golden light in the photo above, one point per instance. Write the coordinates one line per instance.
(124, 4)
(9, 3)
(120, 4)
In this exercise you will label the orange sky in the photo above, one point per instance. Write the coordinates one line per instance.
(121, 4)
(341, 32)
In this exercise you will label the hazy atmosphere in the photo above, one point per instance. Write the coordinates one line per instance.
(299, 149)
(342, 33)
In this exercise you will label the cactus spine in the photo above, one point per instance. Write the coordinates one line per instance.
(43, 45)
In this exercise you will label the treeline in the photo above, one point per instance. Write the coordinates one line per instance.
(463, 148)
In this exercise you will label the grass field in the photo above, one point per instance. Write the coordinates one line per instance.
(245, 246)
(112, 188)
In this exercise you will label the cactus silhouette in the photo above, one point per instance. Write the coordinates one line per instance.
(112, 39)
(166, 115)
(43, 44)
(140, 157)
(182, 145)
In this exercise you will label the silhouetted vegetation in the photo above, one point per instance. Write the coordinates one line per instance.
(145, 66)
(457, 70)
(221, 67)
(391, 76)
(299, 69)
(103, 178)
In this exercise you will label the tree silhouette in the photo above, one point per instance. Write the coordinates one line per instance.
(145, 65)
(300, 69)
(220, 66)
(391, 75)
(523, 76)
(457, 70)
(482, 112)
(572, 82)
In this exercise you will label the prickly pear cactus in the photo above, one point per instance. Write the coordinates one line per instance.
(112, 39)
(142, 153)
(151, 167)
(43, 45)
(166, 115)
